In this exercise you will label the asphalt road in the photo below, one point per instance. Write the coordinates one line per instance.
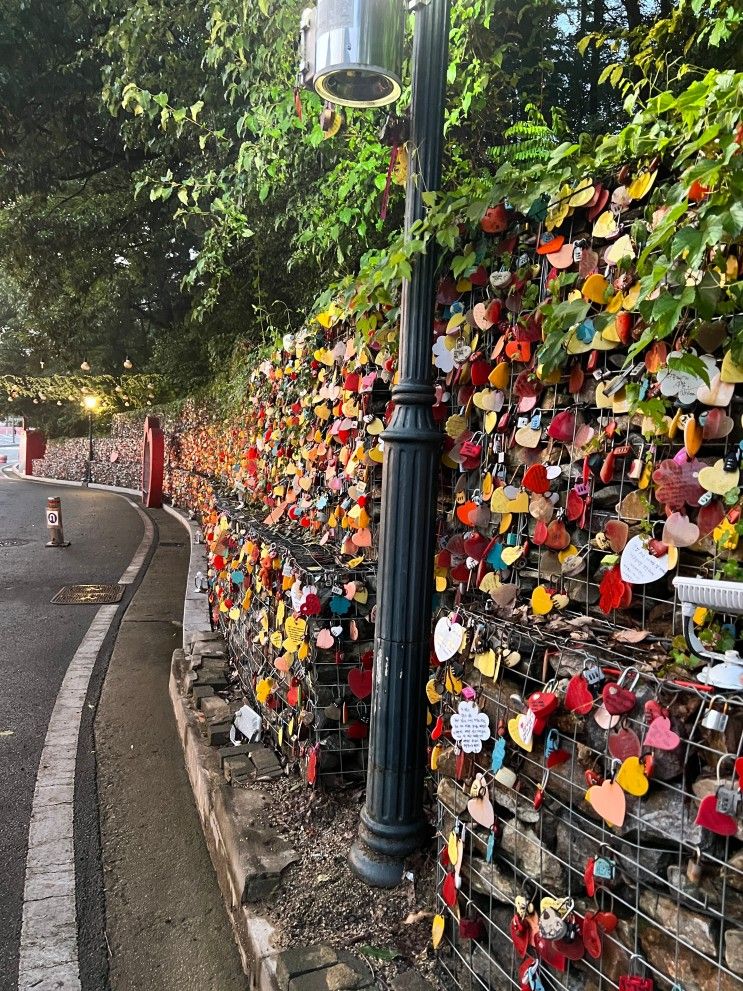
(37, 642)
(149, 912)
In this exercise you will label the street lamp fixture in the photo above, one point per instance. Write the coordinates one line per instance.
(90, 403)
(127, 363)
(351, 53)
(85, 365)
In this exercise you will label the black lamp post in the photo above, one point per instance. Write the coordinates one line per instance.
(392, 821)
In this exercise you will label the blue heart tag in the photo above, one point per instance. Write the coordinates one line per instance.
(499, 754)
(494, 558)
(339, 605)
(586, 331)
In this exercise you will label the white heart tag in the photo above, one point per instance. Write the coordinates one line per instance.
(447, 638)
(638, 566)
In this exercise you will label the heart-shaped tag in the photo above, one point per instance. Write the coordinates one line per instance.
(541, 601)
(325, 639)
(535, 479)
(632, 778)
(617, 533)
(618, 701)
(528, 437)
(449, 890)
(515, 733)
(638, 566)
(623, 743)
(634, 506)
(660, 735)
(680, 531)
(481, 810)
(717, 822)
(360, 682)
(609, 801)
(578, 697)
(447, 638)
(715, 479)
(558, 538)
(717, 425)
(563, 426)
(485, 662)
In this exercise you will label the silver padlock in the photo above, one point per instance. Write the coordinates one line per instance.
(716, 719)
(728, 800)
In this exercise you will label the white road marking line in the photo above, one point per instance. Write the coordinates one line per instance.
(48, 951)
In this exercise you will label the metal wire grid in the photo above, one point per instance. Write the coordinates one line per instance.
(651, 851)
(324, 712)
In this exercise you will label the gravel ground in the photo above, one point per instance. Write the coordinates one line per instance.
(321, 900)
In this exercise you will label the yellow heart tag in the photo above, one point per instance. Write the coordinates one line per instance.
(295, 628)
(541, 601)
(509, 555)
(263, 689)
(485, 662)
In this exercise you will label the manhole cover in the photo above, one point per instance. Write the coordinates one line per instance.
(13, 542)
(71, 595)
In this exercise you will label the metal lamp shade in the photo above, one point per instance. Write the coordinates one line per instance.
(358, 53)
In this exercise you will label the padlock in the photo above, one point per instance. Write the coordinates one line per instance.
(604, 868)
(715, 719)
(694, 867)
(633, 982)
(728, 800)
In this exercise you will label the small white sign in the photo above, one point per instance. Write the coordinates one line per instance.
(52, 519)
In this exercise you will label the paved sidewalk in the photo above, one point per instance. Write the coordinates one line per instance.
(166, 924)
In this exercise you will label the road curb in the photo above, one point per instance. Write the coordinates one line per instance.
(253, 934)
(195, 615)
(13, 470)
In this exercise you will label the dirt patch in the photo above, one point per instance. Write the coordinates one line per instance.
(322, 900)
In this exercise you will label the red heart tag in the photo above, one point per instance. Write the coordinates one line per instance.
(558, 538)
(311, 772)
(618, 700)
(479, 371)
(578, 698)
(357, 730)
(573, 506)
(623, 743)
(591, 936)
(360, 682)
(606, 921)
(540, 533)
(563, 426)
(542, 704)
(589, 879)
(535, 479)
(717, 822)
(550, 954)
(571, 949)
(449, 890)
